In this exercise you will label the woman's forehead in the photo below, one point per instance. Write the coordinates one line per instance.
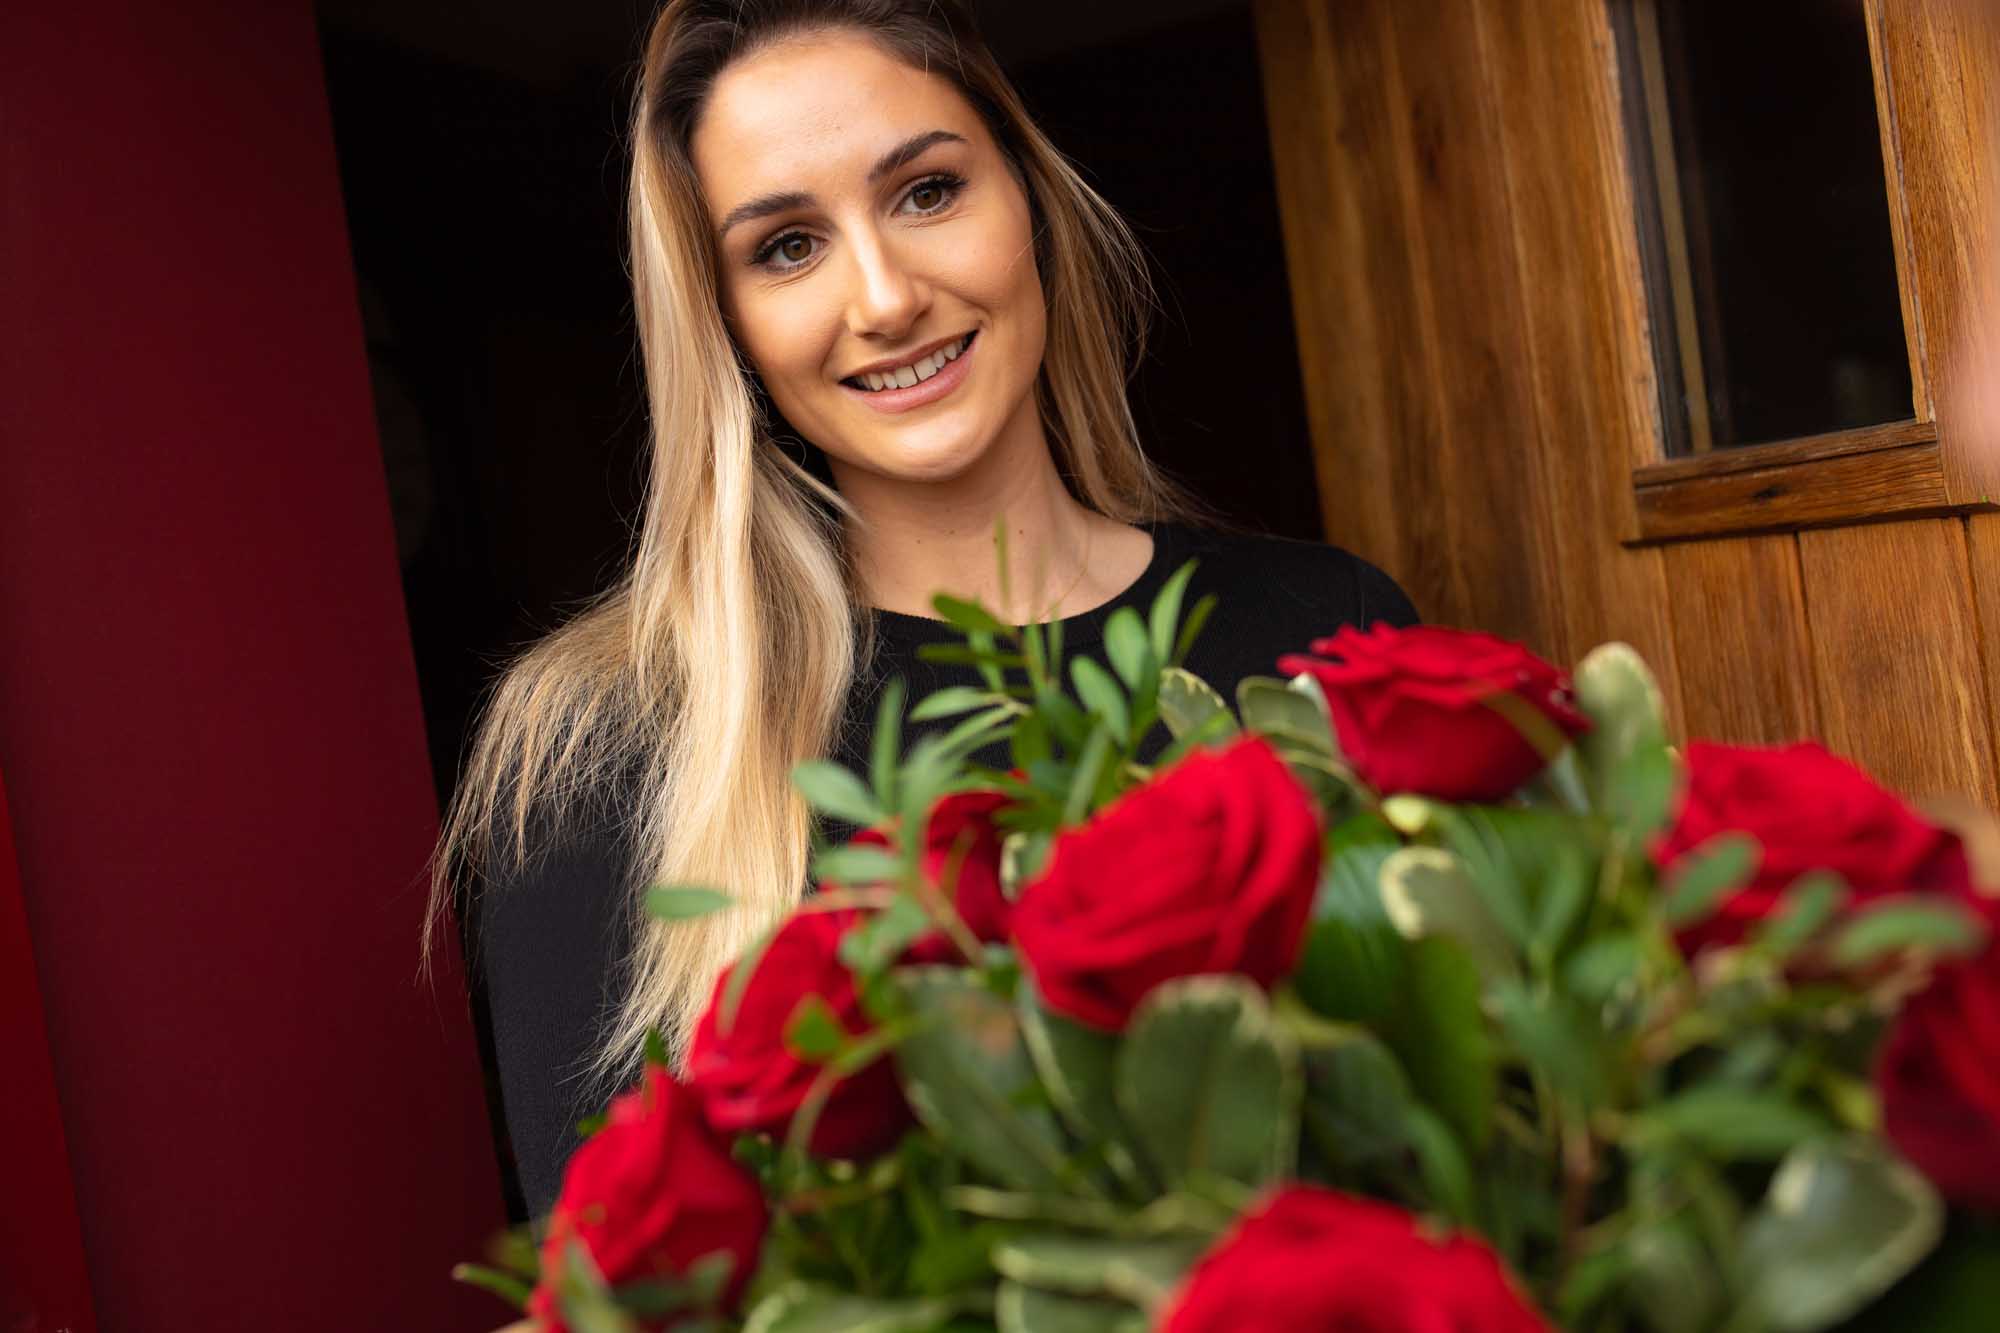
(821, 107)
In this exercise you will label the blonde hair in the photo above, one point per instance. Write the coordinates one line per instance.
(724, 655)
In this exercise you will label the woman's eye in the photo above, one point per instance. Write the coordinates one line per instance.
(794, 249)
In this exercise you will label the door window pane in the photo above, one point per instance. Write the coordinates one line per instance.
(1765, 218)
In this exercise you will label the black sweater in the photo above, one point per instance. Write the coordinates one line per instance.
(550, 934)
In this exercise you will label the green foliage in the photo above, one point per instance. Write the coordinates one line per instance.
(1209, 1083)
(1487, 1022)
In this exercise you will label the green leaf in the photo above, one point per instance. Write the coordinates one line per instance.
(1030, 743)
(856, 865)
(1166, 611)
(1023, 854)
(1605, 967)
(1438, 1032)
(1209, 1084)
(1357, 1101)
(1843, 1221)
(1022, 1309)
(1273, 708)
(1731, 1123)
(1131, 653)
(1352, 964)
(951, 701)
(881, 937)
(509, 1287)
(1427, 893)
(814, 1033)
(582, 1297)
(682, 903)
(1670, 1280)
(1699, 881)
(1558, 1039)
(1101, 695)
(1191, 628)
(1142, 1271)
(1809, 903)
(986, 658)
(655, 1048)
(830, 787)
(888, 743)
(965, 1072)
(1076, 1065)
(1187, 703)
(1907, 921)
(1089, 770)
(801, 1308)
(1442, 1160)
(968, 615)
(1631, 774)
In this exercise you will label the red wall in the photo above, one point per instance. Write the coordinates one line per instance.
(208, 712)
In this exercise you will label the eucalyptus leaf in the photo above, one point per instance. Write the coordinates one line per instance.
(1629, 770)
(1842, 1222)
(1357, 1101)
(1731, 1123)
(1351, 966)
(1023, 1309)
(1672, 1282)
(1143, 1271)
(1271, 707)
(1188, 702)
(965, 1071)
(1427, 893)
(1439, 1035)
(802, 1308)
(1076, 1064)
(1209, 1083)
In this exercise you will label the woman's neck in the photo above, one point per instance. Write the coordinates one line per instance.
(921, 538)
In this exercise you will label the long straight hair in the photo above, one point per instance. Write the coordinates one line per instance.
(724, 655)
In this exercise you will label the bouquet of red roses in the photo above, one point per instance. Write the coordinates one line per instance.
(1426, 988)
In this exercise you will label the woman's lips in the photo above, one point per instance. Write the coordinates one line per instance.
(926, 391)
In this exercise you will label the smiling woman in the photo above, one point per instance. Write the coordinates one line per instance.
(847, 237)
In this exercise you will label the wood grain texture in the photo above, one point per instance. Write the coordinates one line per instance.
(1783, 453)
(1742, 641)
(1858, 487)
(1897, 660)
(1982, 534)
(1583, 334)
(1940, 66)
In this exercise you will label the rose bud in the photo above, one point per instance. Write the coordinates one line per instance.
(1414, 712)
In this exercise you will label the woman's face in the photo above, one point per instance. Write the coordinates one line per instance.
(865, 221)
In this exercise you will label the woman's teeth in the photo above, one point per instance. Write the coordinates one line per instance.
(902, 377)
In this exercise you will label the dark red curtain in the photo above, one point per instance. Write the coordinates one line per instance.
(208, 713)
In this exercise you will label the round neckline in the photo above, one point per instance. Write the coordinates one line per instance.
(1084, 626)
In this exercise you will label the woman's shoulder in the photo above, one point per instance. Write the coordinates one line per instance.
(1288, 582)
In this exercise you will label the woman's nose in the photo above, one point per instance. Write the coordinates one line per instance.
(887, 296)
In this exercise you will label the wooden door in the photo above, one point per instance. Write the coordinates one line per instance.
(1508, 376)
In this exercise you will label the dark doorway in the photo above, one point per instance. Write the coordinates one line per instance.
(483, 166)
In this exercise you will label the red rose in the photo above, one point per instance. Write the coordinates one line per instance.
(1810, 810)
(1411, 708)
(1208, 868)
(1310, 1258)
(649, 1194)
(749, 1081)
(965, 817)
(1939, 1078)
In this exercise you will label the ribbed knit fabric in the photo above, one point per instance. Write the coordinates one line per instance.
(551, 936)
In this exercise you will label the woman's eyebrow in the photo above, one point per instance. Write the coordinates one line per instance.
(785, 200)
